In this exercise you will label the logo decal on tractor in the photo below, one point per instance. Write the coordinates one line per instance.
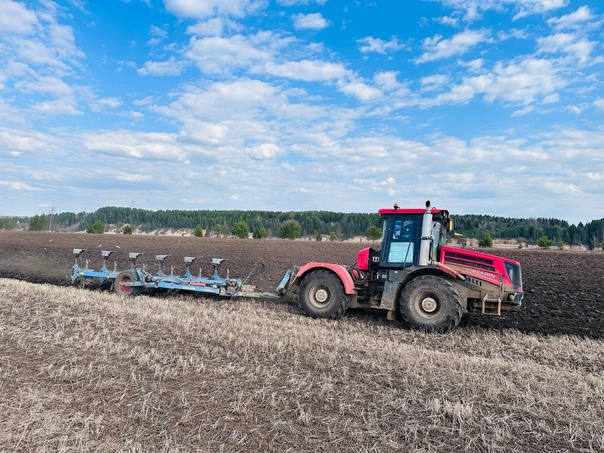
(483, 273)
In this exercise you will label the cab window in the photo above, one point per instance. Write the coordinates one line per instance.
(401, 247)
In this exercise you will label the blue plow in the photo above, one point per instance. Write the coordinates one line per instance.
(133, 281)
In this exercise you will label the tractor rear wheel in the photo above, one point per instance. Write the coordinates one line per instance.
(430, 303)
(126, 277)
(321, 295)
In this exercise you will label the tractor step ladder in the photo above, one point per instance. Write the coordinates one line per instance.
(494, 302)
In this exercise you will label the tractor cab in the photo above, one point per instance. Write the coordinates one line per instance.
(410, 237)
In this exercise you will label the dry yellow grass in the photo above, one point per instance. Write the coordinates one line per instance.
(89, 371)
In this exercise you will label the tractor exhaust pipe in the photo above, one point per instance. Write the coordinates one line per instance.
(426, 239)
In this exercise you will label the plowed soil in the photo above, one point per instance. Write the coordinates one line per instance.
(564, 289)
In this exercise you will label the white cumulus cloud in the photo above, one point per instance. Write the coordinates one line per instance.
(171, 67)
(371, 44)
(314, 21)
(438, 47)
(202, 9)
(16, 18)
(308, 70)
(265, 151)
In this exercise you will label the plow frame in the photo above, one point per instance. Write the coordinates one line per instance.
(143, 279)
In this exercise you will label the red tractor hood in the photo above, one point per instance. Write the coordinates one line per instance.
(483, 266)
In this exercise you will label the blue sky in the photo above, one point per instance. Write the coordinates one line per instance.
(482, 106)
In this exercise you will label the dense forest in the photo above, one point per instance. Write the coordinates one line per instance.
(311, 224)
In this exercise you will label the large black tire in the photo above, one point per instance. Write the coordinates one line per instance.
(321, 295)
(431, 304)
(126, 277)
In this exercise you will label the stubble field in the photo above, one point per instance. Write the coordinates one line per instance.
(83, 370)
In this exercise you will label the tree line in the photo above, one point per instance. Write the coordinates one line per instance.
(590, 234)
(312, 224)
(344, 225)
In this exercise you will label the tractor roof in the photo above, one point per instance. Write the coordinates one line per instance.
(392, 211)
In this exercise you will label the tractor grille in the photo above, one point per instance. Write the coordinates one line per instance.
(461, 259)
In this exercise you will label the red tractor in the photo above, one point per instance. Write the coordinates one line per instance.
(430, 284)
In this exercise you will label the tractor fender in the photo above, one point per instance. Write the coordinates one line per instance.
(338, 269)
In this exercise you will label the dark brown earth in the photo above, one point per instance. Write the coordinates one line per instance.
(564, 289)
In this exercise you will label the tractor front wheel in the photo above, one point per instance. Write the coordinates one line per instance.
(430, 303)
(321, 295)
(126, 277)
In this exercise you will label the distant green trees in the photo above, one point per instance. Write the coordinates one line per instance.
(198, 231)
(241, 229)
(127, 229)
(259, 233)
(373, 233)
(8, 223)
(486, 241)
(38, 223)
(221, 223)
(590, 234)
(97, 227)
(290, 230)
(544, 242)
